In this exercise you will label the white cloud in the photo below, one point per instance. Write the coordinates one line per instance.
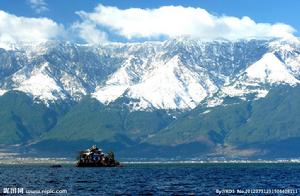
(14, 29)
(89, 33)
(110, 22)
(177, 21)
(38, 6)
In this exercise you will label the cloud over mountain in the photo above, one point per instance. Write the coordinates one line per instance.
(15, 29)
(108, 23)
(178, 21)
(89, 32)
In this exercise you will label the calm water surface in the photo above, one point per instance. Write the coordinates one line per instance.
(155, 179)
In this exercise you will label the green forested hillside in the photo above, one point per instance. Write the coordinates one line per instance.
(90, 119)
(274, 118)
(262, 124)
(21, 119)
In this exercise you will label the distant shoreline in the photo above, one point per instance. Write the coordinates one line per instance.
(66, 161)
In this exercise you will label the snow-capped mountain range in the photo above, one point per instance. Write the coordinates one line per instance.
(179, 73)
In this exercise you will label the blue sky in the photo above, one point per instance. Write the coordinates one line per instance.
(63, 12)
(286, 11)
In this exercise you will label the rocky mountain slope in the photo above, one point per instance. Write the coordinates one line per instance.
(180, 95)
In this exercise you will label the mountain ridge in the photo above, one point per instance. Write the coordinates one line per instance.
(161, 99)
(186, 70)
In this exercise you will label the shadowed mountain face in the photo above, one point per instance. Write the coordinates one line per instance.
(178, 98)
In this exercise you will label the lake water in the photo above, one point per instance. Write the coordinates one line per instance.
(153, 179)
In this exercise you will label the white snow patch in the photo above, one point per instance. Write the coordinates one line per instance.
(232, 91)
(72, 86)
(241, 92)
(39, 84)
(261, 93)
(294, 65)
(116, 85)
(109, 93)
(269, 69)
(214, 102)
(206, 111)
(2, 92)
(7, 46)
(169, 86)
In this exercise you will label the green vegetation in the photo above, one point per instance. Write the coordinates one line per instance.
(273, 119)
(91, 120)
(21, 119)
(277, 117)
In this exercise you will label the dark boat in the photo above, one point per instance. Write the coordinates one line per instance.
(94, 157)
(55, 166)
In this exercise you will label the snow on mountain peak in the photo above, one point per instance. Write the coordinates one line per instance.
(117, 83)
(173, 74)
(167, 85)
(171, 86)
(39, 84)
(270, 69)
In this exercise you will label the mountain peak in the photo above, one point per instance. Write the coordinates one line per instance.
(270, 69)
(175, 74)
